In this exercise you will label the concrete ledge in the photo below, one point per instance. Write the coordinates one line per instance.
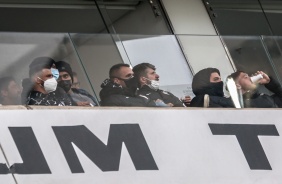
(13, 107)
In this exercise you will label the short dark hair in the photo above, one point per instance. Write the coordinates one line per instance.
(236, 74)
(140, 69)
(114, 70)
(4, 83)
(39, 64)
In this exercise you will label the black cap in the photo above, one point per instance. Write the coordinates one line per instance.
(40, 63)
(63, 66)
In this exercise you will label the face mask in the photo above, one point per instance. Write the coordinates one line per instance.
(155, 85)
(55, 73)
(131, 83)
(65, 84)
(49, 85)
(216, 89)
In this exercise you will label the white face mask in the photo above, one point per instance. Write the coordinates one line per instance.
(50, 85)
(155, 85)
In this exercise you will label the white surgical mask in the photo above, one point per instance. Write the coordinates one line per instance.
(50, 85)
(154, 84)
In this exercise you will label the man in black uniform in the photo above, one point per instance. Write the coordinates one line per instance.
(148, 81)
(44, 85)
(80, 97)
(120, 89)
(251, 96)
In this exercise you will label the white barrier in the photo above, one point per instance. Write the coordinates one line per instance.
(141, 146)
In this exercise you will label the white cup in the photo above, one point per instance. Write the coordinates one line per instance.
(256, 78)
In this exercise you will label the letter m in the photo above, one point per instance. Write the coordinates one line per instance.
(106, 157)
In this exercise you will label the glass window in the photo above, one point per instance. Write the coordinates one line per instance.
(163, 52)
(250, 54)
(134, 17)
(273, 46)
(272, 10)
(18, 50)
(97, 52)
(240, 17)
(50, 16)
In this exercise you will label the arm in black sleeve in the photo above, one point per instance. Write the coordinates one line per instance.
(217, 101)
(274, 87)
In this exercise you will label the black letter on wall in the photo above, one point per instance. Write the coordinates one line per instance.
(33, 159)
(247, 136)
(106, 157)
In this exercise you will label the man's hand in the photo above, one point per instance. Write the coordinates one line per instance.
(161, 103)
(170, 104)
(265, 79)
(83, 104)
(186, 100)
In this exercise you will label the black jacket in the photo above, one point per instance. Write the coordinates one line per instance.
(261, 100)
(113, 94)
(214, 101)
(84, 92)
(51, 99)
(165, 96)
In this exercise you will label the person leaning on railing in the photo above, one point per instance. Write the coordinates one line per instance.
(149, 84)
(41, 87)
(120, 89)
(252, 97)
(79, 97)
(208, 88)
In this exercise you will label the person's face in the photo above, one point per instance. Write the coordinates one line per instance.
(46, 74)
(124, 73)
(13, 93)
(43, 75)
(75, 83)
(64, 76)
(152, 75)
(245, 82)
(214, 78)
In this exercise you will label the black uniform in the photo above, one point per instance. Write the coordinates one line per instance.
(261, 100)
(50, 99)
(165, 96)
(214, 101)
(201, 86)
(113, 94)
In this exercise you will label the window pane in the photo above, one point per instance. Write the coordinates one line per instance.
(273, 13)
(98, 52)
(163, 52)
(134, 17)
(18, 50)
(250, 55)
(50, 16)
(240, 17)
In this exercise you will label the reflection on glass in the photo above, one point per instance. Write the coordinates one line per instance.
(55, 16)
(163, 52)
(250, 55)
(236, 95)
(18, 50)
(273, 12)
(97, 52)
(274, 45)
(134, 17)
(240, 17)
